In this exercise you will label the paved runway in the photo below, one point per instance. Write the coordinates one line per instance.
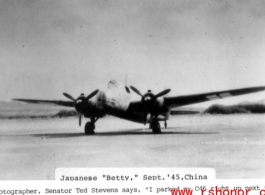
(233, 145)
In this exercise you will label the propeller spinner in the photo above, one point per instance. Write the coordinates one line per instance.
(80, 101)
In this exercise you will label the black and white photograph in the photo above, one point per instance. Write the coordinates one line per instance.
(132, 84)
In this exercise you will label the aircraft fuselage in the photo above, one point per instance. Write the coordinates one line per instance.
(116, 101)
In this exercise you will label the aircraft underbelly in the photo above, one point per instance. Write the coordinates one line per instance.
(135, 115)
(127, 115)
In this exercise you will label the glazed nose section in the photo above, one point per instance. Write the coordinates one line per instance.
(101, 99)
(110, 100)
(105, 100)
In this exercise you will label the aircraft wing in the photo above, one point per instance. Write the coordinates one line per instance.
(199, 98)
(137, 106)
(49, 102)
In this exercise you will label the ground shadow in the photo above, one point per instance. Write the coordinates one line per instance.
(135, 132)
(47, 135)
(57, 135)
(141, 132)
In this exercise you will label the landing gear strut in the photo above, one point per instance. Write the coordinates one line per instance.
(90, 126)
(155, 127)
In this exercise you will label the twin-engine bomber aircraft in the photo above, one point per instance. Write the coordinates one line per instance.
(152, 108)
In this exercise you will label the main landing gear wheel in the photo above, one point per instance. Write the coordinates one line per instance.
(156, 127)
(89, 128)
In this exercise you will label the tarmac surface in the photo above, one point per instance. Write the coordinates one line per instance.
(232, 144)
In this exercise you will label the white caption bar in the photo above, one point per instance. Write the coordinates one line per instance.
(133, 174)
(141, 181)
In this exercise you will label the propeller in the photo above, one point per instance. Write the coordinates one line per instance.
(80, 119)
(136, 91)
(162, 93)
(80, 101)
(149, 96)
(68, 96)
(149, 99)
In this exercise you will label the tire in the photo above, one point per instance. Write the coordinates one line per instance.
(156, 127)
(89, 128)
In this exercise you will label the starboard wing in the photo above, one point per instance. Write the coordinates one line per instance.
(199, 98)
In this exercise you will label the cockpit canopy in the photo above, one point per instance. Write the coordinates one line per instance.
(113, 84)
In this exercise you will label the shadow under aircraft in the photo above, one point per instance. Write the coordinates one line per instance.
(151, 108)
(133, 132)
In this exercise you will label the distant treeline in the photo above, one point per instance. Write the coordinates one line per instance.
(234, 109)
(66, 113)
(60, 114)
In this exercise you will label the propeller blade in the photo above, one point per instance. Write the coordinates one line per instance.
(80, 118)
(162, 93)
(146, 115)
(136, 91)
(92, 94)
(69, 96)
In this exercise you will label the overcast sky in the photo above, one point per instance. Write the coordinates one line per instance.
(48, 47)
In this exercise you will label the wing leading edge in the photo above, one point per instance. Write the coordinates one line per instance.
(168, 101)
(199, 98)
(49, 102)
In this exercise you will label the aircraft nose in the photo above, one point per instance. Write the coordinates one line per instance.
(101, 99)
(105, 99)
